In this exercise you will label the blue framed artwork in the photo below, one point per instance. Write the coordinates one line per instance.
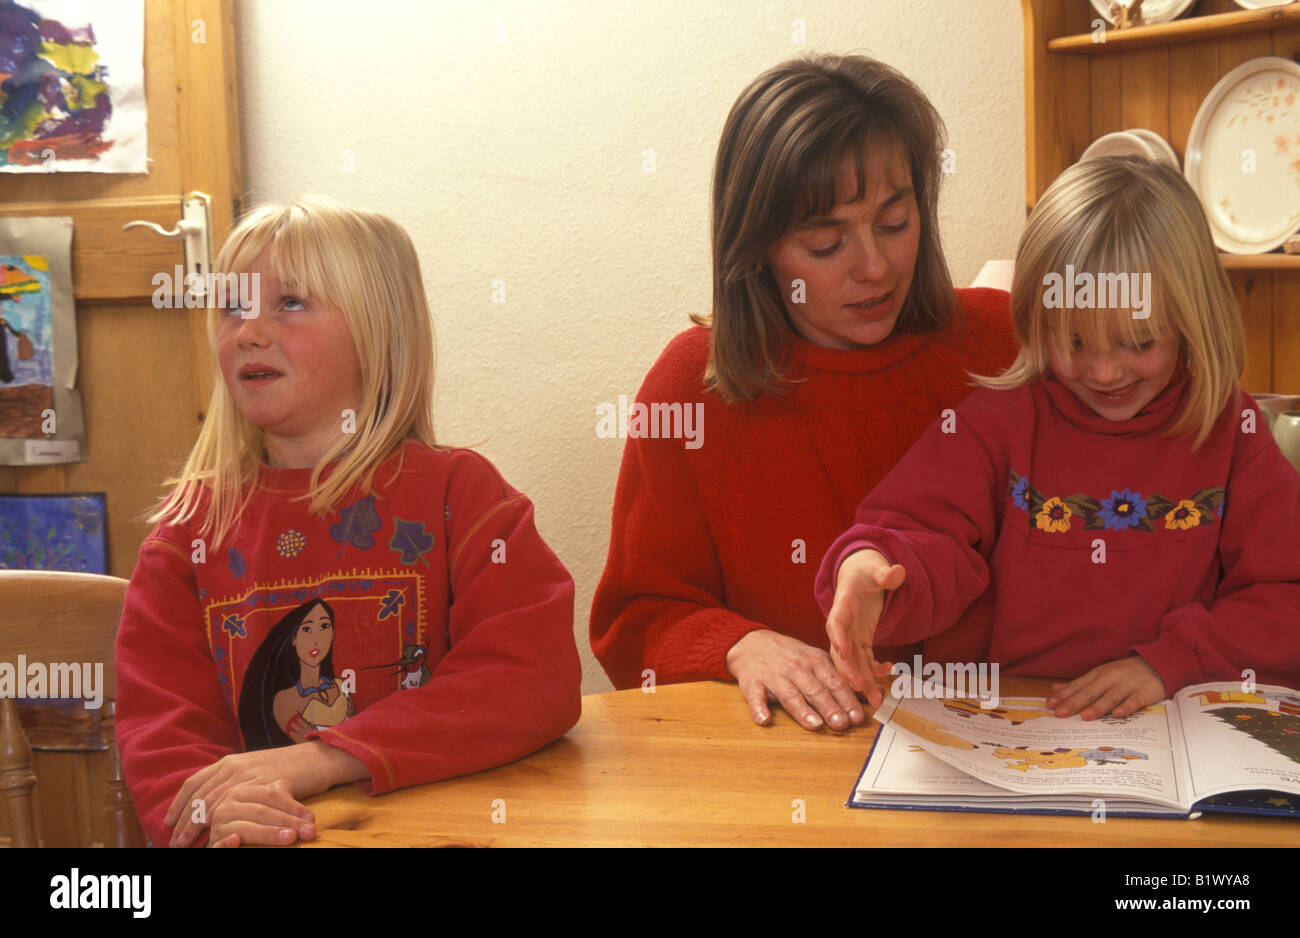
(54, 532)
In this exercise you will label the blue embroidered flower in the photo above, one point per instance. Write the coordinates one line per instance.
(1123, 510)
(1018, 493)
(234, 626)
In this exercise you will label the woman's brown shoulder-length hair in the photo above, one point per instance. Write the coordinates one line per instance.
(783, 142)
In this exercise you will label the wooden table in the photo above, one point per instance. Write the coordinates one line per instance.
(686, 767)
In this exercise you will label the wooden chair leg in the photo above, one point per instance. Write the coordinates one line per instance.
(121, 825)
(16, 778)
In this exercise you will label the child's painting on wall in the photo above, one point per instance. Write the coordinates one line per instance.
(41, 419)
(54, 532)
(72, 86)
(26, 375)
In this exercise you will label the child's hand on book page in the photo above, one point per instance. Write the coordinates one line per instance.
(310, 768)
(1121, 687)
(770, 666)
(860, 587)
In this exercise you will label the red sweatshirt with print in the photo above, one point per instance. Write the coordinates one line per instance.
(425, 628)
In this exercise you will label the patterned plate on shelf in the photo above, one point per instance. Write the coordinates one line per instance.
(1243, 155)
(1153, 11)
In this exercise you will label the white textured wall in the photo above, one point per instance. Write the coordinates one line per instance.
(507, 138)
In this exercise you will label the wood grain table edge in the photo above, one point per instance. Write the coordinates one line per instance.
(686, 767)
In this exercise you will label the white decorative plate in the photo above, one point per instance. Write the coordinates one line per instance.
(1136, 142)
(1153, 11)
(1260, 4)
(1243, 155)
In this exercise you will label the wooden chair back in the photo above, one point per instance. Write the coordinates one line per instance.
(52, 618)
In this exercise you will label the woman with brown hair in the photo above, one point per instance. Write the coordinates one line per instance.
(836, 339)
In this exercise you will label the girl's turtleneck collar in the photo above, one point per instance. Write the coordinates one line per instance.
(1162, 408)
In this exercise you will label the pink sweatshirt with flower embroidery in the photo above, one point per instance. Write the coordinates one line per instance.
(1042, 537)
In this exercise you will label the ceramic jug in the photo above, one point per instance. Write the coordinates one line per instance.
(1287, 430)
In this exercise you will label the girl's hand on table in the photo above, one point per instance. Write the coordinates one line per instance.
(771, 667)
(1120, 687)
(253, 813)
(308, 769)
(860, 586)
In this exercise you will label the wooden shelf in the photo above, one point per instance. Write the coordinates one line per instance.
(1158, 77)
(1260, 261)
(1175, 31)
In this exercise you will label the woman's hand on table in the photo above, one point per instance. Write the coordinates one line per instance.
(251, 778)
(1121, 687)
(771, 667)
(860, 586)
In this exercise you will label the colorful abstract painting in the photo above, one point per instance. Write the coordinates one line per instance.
(72, 86)
(54, 532)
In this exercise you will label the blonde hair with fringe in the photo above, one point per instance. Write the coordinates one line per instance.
(363, 264)
(1129, 215)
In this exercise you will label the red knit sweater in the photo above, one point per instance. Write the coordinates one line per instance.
(713, 542)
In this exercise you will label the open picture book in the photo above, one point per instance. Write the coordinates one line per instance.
(1212, 747)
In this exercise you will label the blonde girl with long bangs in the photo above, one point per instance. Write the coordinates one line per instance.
(1111, 510)
(835, 337)
(1094, 222)
(325, 597)
(310, 247)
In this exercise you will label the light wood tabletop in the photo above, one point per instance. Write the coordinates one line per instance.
(686, 767)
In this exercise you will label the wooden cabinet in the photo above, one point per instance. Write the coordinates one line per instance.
(144, 373)
(1077, 89)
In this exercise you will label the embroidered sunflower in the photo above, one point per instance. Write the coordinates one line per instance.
(1182, 516)
(1054, 517)
(290, 543)
(1123, 510)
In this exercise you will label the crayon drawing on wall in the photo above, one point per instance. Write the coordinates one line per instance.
(72, 86)
(26, 354)
(41, 418)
